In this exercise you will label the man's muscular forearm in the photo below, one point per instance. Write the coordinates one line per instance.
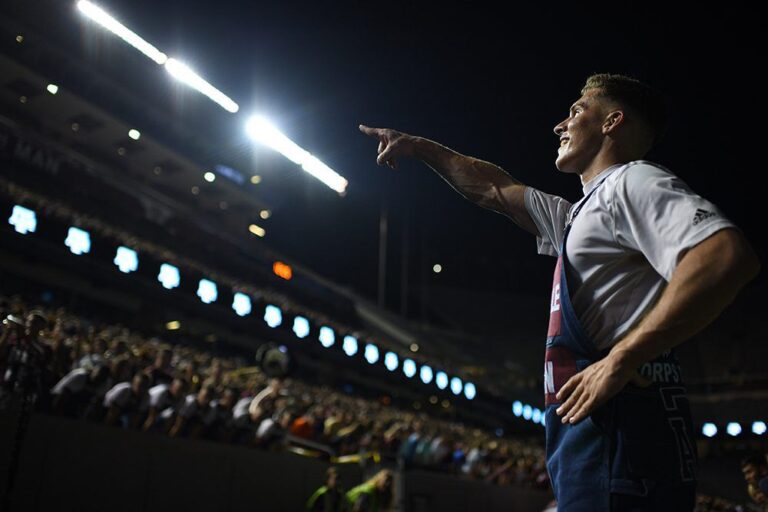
(481, 182)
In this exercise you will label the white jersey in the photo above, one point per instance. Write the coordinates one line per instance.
(625, 243)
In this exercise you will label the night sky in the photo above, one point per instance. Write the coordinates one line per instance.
(489, 82)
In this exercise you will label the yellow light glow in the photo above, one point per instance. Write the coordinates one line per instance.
(257, 230)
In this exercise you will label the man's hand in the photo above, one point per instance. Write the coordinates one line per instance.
(392, 144)
(595, 385)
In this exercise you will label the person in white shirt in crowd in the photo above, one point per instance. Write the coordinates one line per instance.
(164, 401)
(190, 420)
(74, 391)
(126, 402)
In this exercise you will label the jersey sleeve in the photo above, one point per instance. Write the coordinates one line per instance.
(656, 213)
(550, 214)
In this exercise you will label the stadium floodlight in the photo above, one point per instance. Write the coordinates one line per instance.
(441, 379)
(301, 327)
(517, 408)
(527, 412)
(709, 429)
(319, 170)
(426, 374)
(327, 337)
(168, 276)
(536, 416)
(456, 386)
(185, 74)
(258, 231)
(134, 134)
(733, 429)
(409, 368)
(371, 353)
(758, 428)
(52, 88)
(241, 304)
(101, 17)
(23, 220)
(390, 361)
(126, 260)
(263, 132)
(207, 291)
(273, 316)
(78, 241)
(349, 345)
(470, 391)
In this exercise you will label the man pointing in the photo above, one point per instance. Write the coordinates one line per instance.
(643, 263)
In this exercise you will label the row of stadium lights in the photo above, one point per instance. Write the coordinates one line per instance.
(528, 412)
(733, 429)
(257, 127)
(208, 176)
(126, 260)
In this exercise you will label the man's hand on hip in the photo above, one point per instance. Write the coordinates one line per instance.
(595, 385)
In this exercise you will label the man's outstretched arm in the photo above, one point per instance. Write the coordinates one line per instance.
(706, 280)
(481, 182)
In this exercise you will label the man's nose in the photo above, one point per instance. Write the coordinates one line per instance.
(560, 128)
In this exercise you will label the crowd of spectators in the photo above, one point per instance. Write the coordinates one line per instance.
(113, 375)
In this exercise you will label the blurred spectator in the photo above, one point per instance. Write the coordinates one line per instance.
(373, 495)
(161, 372)
(193, 414)
(75, 391)
(126, 401)
(220, 422)
(754, 468)
(330, 497)
(164, 402)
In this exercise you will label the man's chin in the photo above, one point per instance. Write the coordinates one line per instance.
(563, 166)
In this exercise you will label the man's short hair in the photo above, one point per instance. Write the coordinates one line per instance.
(630, 93)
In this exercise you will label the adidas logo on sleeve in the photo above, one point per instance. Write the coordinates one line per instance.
(702, 215)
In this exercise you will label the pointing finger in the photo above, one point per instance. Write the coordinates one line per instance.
(371, 132)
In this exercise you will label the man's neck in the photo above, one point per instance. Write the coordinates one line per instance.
(596, 168)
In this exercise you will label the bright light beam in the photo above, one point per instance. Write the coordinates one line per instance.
(185, 74)
(262, 131)
(98, 15)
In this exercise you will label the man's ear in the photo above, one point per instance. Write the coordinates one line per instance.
(613, 120)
